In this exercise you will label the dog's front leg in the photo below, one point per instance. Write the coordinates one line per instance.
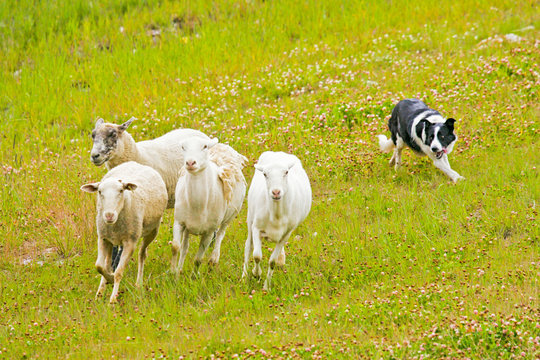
(443, 165)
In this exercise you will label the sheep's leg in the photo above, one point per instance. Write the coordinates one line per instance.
(281, 258)
(274, 258)
(214, 258)
(119, 272)
(206, 239)
(142, 255)
(184, 233)
(176, 244)
(116, 253)
(257, 252)
(103, 265)
(180, 246)
(247, 251)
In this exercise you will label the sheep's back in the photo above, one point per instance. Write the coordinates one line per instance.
(164, 154)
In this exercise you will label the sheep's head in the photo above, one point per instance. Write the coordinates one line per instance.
(195, 152)
(276, 176)
(110, 197)
(105, 137)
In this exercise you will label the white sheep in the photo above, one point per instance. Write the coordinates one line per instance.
(113, 145)
(209, 194)
(130, 203)
(279, 199)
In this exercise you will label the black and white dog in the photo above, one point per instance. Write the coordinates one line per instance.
(425, 131)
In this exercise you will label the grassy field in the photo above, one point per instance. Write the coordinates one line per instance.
(388, 265)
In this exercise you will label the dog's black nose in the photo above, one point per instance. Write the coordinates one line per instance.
(434, 149)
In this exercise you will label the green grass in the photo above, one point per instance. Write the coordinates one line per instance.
(387, 265)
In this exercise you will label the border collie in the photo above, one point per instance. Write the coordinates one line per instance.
(425, 131)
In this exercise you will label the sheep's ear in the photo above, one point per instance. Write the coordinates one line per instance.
(125, 125)
(290, 165)
(129, 186)
(99, 121)
(212, 142)
(90, 188)
(259, 167)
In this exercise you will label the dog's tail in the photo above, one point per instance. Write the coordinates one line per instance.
(385, 144)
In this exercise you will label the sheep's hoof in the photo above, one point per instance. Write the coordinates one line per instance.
(257, 273)
(175, 271)
(113, 300)
(244, 273)
(281, 259)
(214, 260)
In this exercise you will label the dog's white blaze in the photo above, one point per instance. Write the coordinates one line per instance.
(436, 143)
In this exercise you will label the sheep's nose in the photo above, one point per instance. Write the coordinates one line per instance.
(191, 163)
(276, 192)
(109, 216)
(95, 156)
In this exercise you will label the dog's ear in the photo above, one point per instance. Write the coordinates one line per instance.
(450, 123)
(422, 124)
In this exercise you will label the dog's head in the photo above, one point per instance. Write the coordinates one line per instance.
(439, 137)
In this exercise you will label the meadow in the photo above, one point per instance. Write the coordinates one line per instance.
(387, 265)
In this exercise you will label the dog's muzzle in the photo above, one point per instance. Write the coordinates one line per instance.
(439, 154)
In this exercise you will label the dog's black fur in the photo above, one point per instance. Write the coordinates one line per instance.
(401, 123)
(422, 129)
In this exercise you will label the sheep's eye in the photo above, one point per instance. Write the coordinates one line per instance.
(205, 147)
(99, 192)
(265, 175)
(93, 134)
(286, 172)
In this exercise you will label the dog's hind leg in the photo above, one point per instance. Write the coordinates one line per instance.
(393, 158)
(396, 158)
